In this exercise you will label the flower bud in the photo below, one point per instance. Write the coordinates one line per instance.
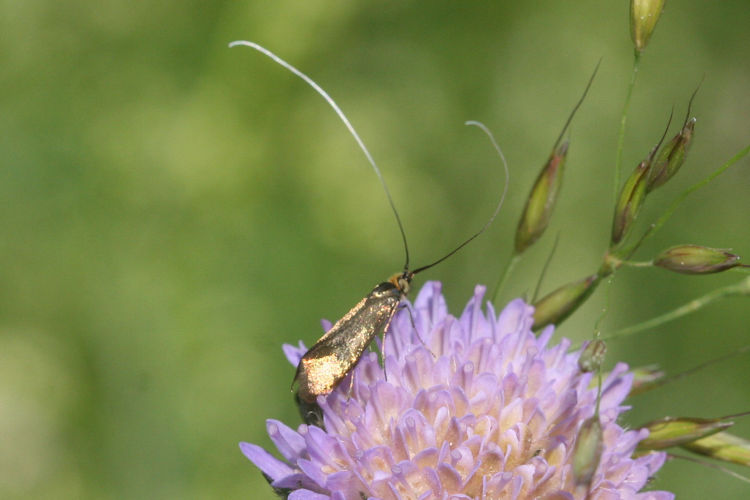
(554, 307)
(645, 378)
(676, 431)
(696, 259)
(722, 446)
(541, 200)
(592, 357)
(671, 157)
(587, 451)
(643, 17)
(630, 201)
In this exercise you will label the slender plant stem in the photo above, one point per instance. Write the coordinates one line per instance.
(712, 466)
(506, 272)
(741, 288)
(623, 123)
(630, 263)
(678, 376)
(544, 269)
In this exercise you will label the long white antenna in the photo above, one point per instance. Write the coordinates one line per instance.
(344, 119)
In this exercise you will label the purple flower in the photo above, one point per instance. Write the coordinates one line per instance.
(483, 409)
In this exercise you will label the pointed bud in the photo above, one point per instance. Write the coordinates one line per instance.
(554, 307)
(676, 431)
(643, 17)
(722, 446)
(587, 451)
(541, 200)
(671, 157)
(592, 357)
(695, 259)
(645, 378)
(630, 201)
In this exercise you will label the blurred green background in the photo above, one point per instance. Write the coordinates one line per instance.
(174, 211)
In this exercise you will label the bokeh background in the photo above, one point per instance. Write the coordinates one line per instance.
(174, 210)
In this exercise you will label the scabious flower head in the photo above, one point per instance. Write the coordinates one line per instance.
(483, 409)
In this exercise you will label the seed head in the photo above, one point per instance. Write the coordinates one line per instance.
(588, 451)
(696, 259)
(671, 157)
(676, 431)
(722, 446)
(644, 15)
(592, 356)
(561, 303)
(541, 201)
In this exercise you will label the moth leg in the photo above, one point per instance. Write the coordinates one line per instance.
(408, 307)
(350, 390)
(382, 350)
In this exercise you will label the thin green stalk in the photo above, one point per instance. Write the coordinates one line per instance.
(678, 376)
(504, 277)
(544, 268)
(711, 465)
(623, 123)
(598, 390)
(741, 288)
(630, 263)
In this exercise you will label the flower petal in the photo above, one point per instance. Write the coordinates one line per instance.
(267, 463)
(307, 495)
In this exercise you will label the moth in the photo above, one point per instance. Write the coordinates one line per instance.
(332, 357)
(337, 352)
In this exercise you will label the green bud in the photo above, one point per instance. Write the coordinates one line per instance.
(645, 378)
(592, 357)
(630, 201)
(722, 446)
(587, 451)
(541, 200)
(554, 307)
(676, 431)
(695, 259)
(671, 157)
(643, 17)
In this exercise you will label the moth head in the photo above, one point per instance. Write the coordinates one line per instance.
(402, 281)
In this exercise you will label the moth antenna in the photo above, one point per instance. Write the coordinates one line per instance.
(344, 119)
(499, 205)
(578, 105)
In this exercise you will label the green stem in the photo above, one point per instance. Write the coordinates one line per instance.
(630, 263)
(623, 123)
(678, 376)
(544, 269)
(504, 277)
(741, 288)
